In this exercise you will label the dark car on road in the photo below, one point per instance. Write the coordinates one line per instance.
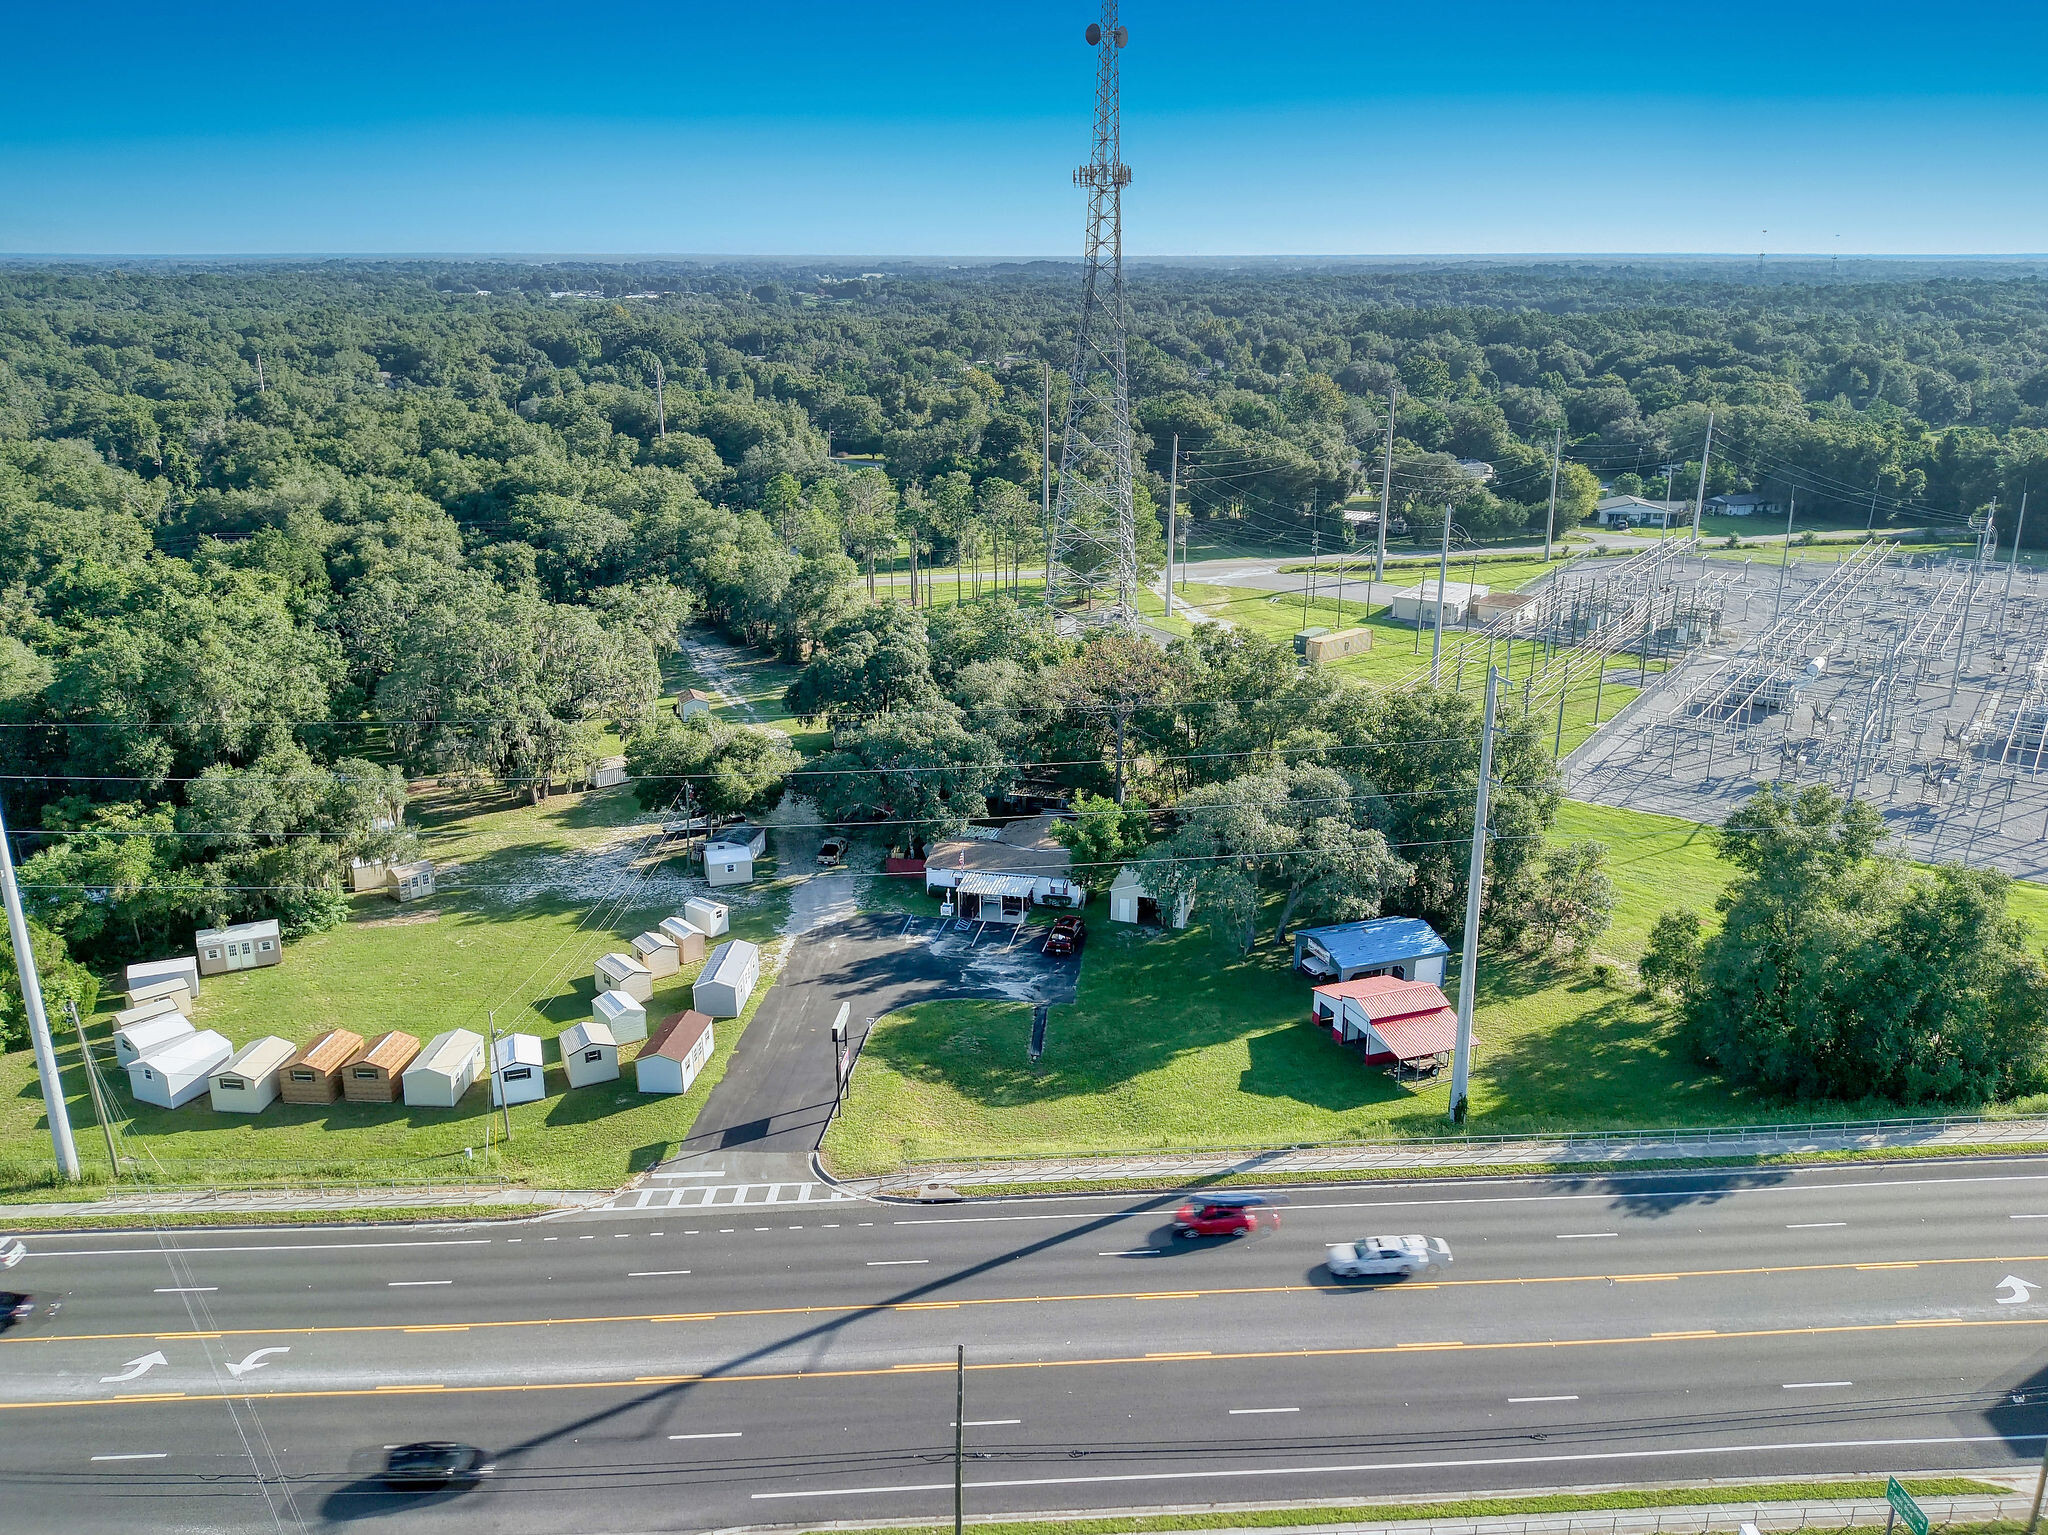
(14, 1307)
(1068, 936)
(432, 1463)
(1226, 1215)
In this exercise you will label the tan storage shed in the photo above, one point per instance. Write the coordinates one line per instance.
(688, 938)
(1335, 647)
(171, 990)
(447, 1068)
(589, 1054)
(670, 1061)
(314, 1074)
(622, 972)
(658, 952)
(410, 881)
(245, 946)
(248, 1084)
(183, 968)
(624, 1016)
(374, 1076)
(707, 916)
(156, 1009)
(135, 1040)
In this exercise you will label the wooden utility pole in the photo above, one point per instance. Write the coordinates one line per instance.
(661, 409)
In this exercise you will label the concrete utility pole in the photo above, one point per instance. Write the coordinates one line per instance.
(1045, 481)
(1784, 559)
(2019, 528)
(1550, 526)
(1468, 964)
(661, 409)
(1872, 522)
(1699, 503)
(1379, 559)
(38, 1020)
(1443, 571)
(1172, 513)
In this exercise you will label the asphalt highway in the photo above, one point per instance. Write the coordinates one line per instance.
(733, 1365)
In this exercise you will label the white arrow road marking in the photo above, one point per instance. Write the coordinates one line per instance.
(136, 1368)
(255, 1361)
(2012, 1290)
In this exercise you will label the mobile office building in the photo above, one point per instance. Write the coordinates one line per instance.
(589, 1054)
(518, 1074)
(670, 1061)
(728, 978)
(184, 968)
(707, 916)
(171, 990)
(622, 972)
(410, 881)
(446, 1069)
(314, 1076)
(245, 946)
(625, 1016)
(172, 1076)
(376, 1075)
(658, 952)
(133, 1041)
(688, 939)
(156, 1009)
(248, 1083)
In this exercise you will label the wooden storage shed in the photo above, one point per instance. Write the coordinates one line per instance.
(658, 952)
(707, 916)
(589, 1054)
(688, 939)
(623, 1015)
(314, 1074)
(171, 990)
(670, 1061)
(245, 946)
(410, 881)
(183, 968)
(622, 972)
(375, 1074)
(446, 1069)
(135, 1040)
(175, 1074)
(518, 1070)
(728, 978)
(248, 1083)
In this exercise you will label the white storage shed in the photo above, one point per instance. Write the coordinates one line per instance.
(171, 990)
(446, 1069)
(727, 979)
(622, 972)
(175, 1074)
(707, 916)
(608, 773)
(729, 854)
(183, 968)
(658, 952)
(518, 1070)
(133, 1041)
(248, 1084)
(624, 1015)
(1131, 901)
(589, 1054)
(134, 1015)
(670, 1061)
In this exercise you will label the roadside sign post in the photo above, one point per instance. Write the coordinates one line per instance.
(1903, 1507)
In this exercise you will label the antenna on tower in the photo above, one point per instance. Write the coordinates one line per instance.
(1094, 535)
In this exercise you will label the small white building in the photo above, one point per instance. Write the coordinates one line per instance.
(625, 1016)
(172, 1076)
(1131, 901)
(658, 952)
(1638, 511)
(622, 972)
(707, 916)
(692, 702)
(143, 1010)
(670, 1061)
(446, 1069)
(248, 1083)
(688, 939)
(729, 854)
(728, 979)
(245, 946)
(589, 1054)
(171, 990)
(133, 1041)
(183, 968)
(518, 1070)
(608, 773)
(1417, 604)
(410, 881)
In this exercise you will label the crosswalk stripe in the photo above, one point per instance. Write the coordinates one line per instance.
(754, 1195)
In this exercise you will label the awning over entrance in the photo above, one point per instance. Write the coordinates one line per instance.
(980, 883)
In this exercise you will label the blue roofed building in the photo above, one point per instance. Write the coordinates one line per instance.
(1406, 948)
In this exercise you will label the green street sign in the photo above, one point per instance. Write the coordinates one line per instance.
(1903, 1505)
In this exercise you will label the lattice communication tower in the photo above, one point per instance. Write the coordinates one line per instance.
(1094, 539)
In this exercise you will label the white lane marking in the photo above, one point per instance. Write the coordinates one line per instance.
(2027, 1217)
(269, 1247)
(1517, 1400)
(732, 1434)
(657, 1273)
(1814, 1385)
(413, 1284)
(188, 1289)
(1584, 1236)
(1253, 1412)
(1814, 1225)
(895, 1263)
(1352, 1468)
(135, 1368)
(990, 1423)
(255, 1361)
(1132, 1252)
(2012, 1290)
(139, 1455)
(709, 1172)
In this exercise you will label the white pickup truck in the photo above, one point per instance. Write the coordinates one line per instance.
(1371, 1256)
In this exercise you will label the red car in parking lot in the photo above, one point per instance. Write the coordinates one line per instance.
(1226, 1215)
(1066, 938)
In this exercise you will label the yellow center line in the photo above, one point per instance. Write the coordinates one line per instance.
(883, 1308)
(873, 1372)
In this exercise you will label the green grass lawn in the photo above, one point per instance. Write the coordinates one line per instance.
(1175, 1039)
(531, 896)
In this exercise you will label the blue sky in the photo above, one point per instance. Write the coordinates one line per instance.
(794, 128)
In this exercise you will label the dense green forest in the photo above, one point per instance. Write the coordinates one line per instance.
(247, 511)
